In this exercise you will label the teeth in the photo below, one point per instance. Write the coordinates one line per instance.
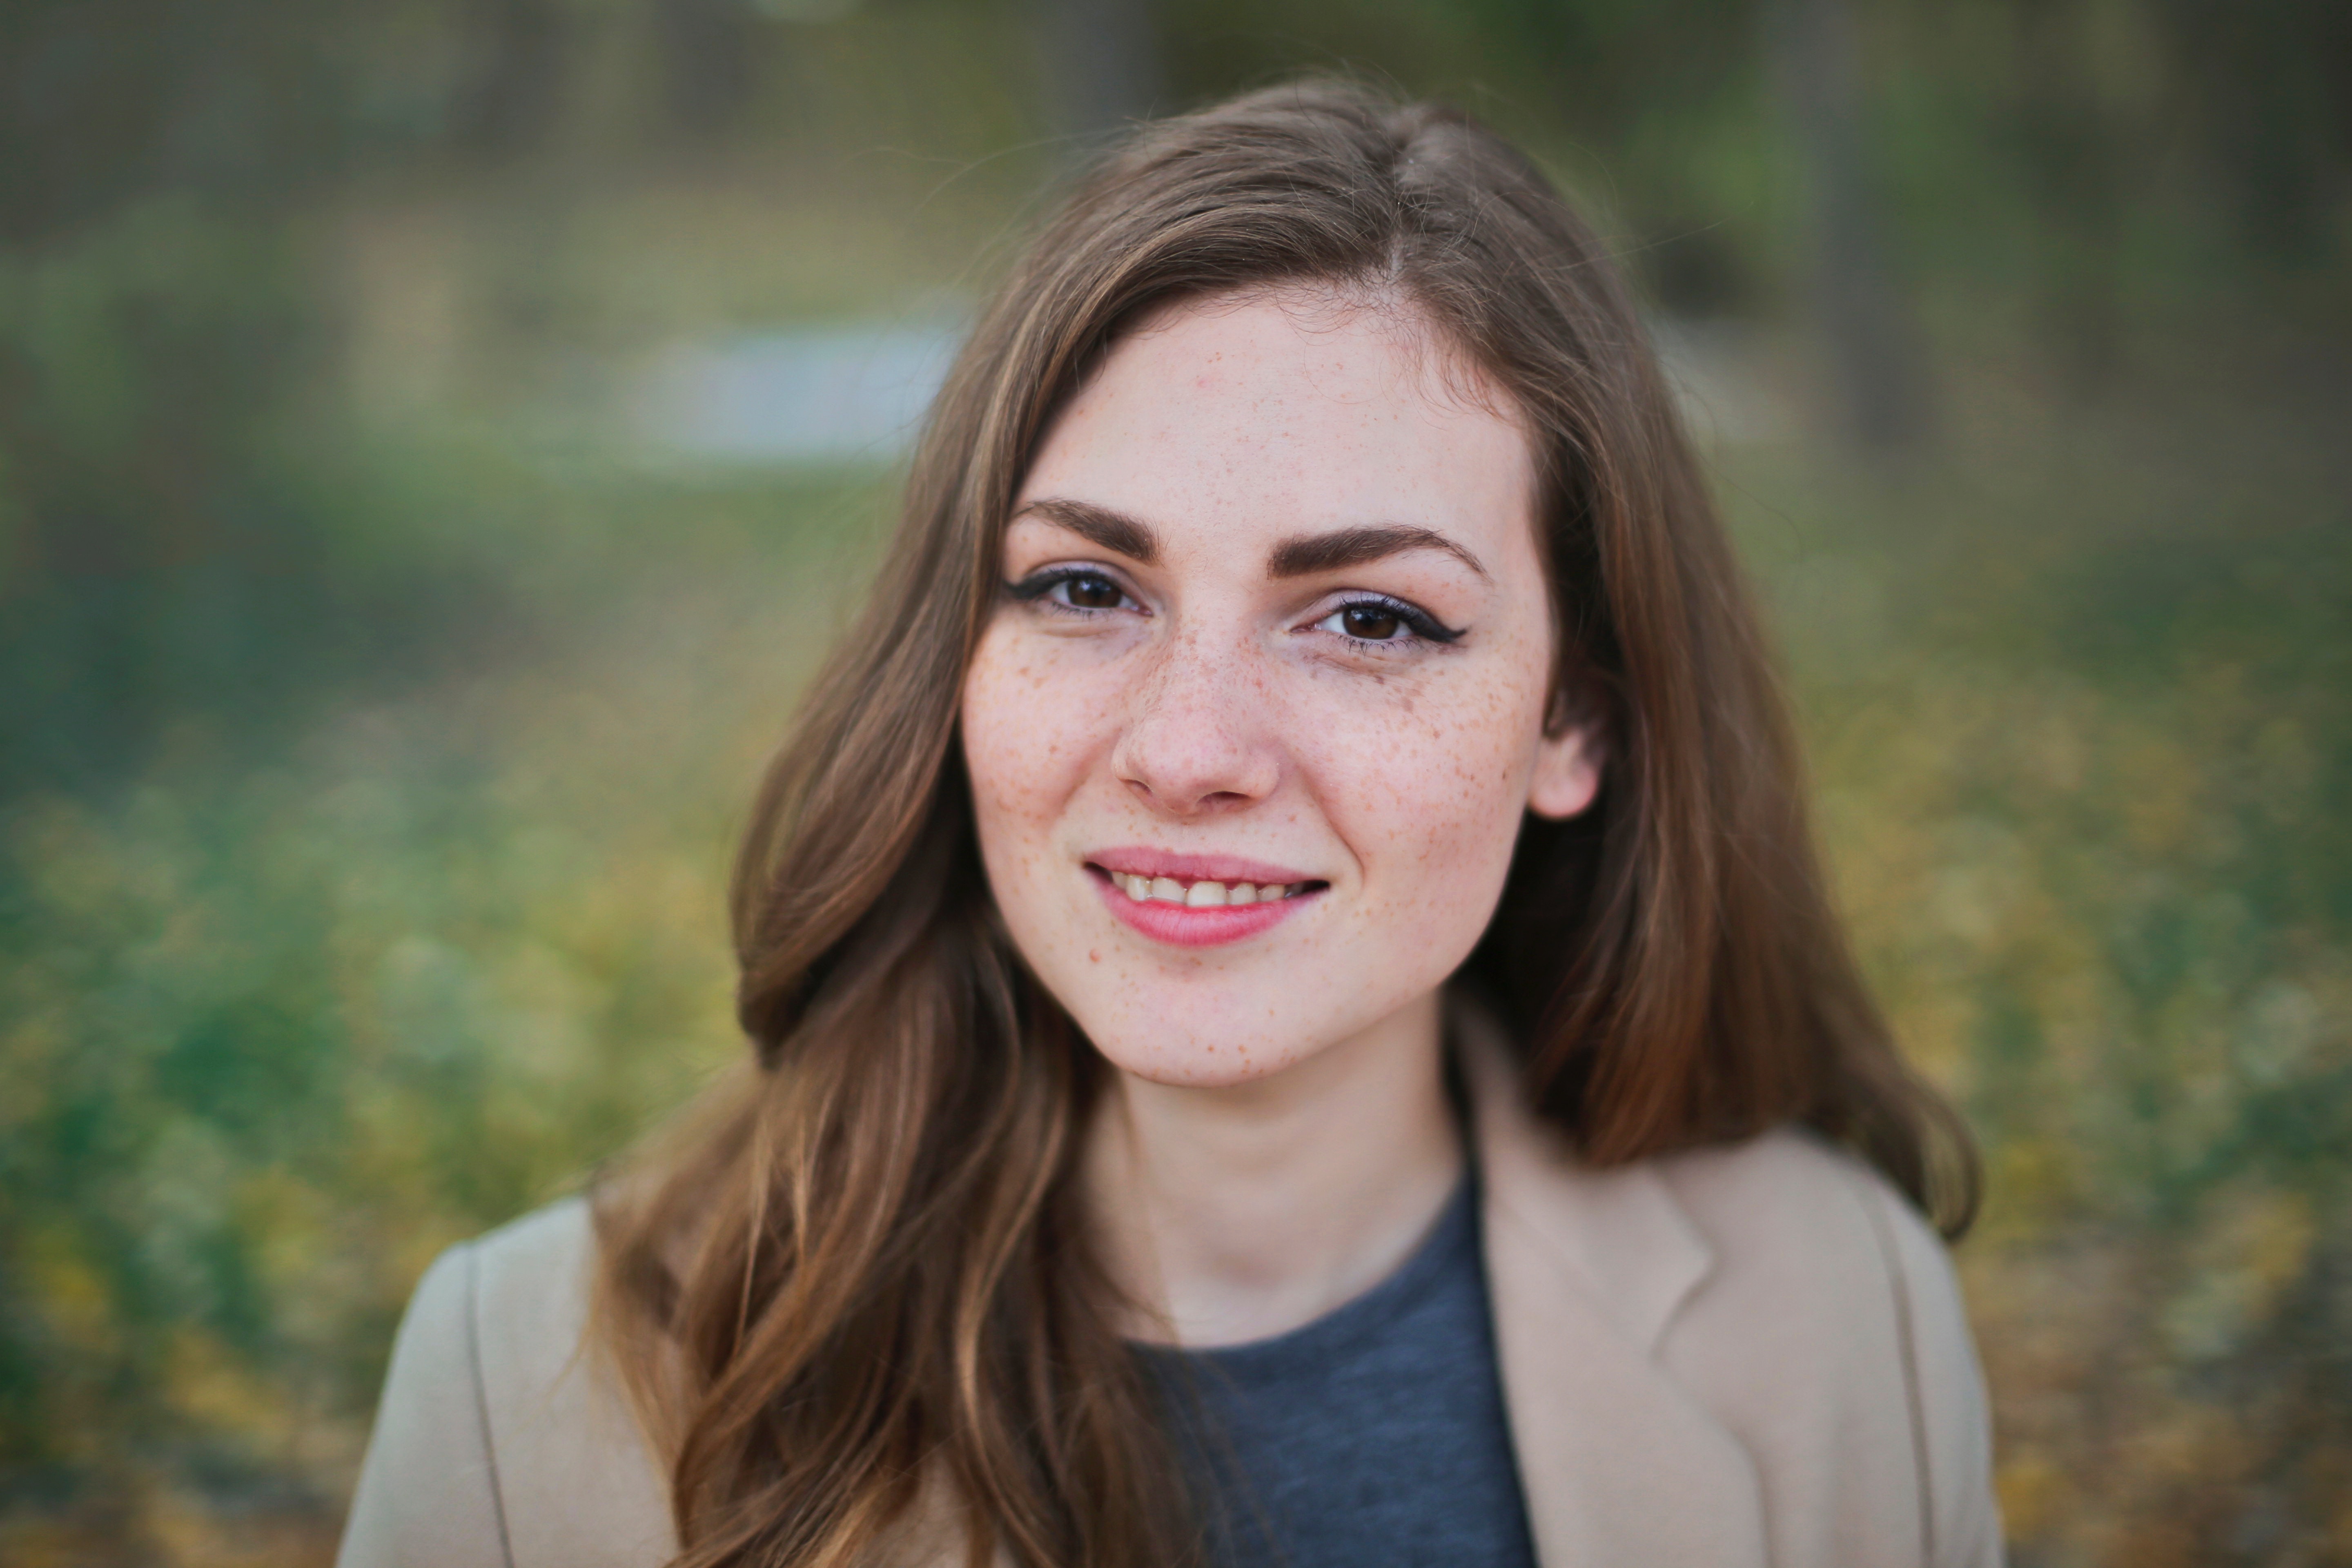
(1202, 895)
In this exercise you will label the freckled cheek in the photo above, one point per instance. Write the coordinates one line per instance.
(1426, 802)
(1031, 724)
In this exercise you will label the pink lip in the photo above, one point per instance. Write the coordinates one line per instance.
(1133, 861)
(1180, 925)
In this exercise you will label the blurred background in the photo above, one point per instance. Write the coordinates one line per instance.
(436, 436)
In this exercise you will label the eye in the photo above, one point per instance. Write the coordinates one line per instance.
(1072, 590)
(1380, 619)
(1089, 591)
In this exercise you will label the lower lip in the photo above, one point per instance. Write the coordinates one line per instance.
(1182, 925)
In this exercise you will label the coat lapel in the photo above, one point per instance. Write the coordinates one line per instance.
(1621, 1465)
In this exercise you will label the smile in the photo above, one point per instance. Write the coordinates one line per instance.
(1203, 894)
(1197, 901)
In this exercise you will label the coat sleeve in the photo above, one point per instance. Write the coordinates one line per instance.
(428, 1492)
(1950, 1421)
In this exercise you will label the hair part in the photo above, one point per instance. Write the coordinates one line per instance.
(858, 1297)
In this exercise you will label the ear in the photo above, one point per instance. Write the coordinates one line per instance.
(1567, 771)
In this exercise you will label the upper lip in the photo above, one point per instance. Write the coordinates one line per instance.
(1137, 862)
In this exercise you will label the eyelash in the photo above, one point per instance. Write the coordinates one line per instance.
(1038, 587)
(1425, 626)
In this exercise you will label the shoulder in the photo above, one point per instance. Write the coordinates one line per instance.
(503, 1434)
(1790, 1210)
(533, 1281)
(1804, 1229)
(557, 1242)
(1831, 1317)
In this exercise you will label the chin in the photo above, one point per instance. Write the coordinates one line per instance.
(1193, 1053)
(1205, 1066)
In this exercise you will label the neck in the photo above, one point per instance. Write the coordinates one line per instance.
(1235, 1214)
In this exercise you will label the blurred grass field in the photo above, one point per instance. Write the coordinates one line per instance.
(379, 707)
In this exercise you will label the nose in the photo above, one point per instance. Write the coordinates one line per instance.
(1198, 741)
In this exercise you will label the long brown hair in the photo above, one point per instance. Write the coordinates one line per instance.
(863, 1274)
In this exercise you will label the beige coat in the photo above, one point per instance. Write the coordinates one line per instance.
(1736, 1357)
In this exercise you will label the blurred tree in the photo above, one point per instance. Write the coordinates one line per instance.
(2267, 88)
(1878, 379)
(709, 54)
(1102, 65)
(180, 504)
(511, 99)
(2065, 142)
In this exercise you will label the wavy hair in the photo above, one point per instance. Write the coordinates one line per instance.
(860, 1280)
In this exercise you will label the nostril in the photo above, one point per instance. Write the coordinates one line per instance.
(1187, 775)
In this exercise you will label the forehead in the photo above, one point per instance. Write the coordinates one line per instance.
(1277, 412)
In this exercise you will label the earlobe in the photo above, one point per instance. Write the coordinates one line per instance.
(1567, 774)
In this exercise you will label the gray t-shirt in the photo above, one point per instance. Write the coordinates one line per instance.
(1373, 1435)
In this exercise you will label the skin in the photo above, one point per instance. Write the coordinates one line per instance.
(1278, 1137)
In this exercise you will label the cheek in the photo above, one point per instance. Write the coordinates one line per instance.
(1433, 798)
(1025, 745)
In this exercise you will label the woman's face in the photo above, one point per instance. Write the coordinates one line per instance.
(1253, 726)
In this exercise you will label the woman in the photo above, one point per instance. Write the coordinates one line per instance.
(1295, 1014)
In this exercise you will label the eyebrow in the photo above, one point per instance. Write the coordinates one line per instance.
(1099, 525)
(1311, 552)
(1301, 555)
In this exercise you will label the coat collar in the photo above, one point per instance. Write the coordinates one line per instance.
(1586, 1268)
